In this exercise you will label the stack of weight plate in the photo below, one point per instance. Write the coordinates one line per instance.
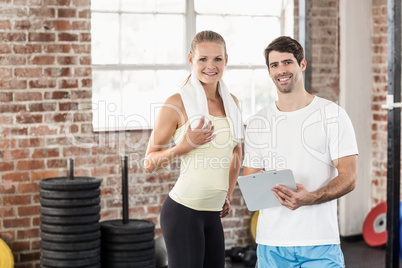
(70, 228)
(129, 244)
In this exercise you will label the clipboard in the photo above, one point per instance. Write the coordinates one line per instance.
(256, 188)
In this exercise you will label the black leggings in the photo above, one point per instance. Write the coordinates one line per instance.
(194, 239)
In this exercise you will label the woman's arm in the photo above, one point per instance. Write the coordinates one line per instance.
(233, 175)
(236, 161)
(233, 172)
(234, 169)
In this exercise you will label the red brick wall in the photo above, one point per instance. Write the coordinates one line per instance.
(46, 90)
(379, 120)
(325, 47)
(45, 71)
(325, 61)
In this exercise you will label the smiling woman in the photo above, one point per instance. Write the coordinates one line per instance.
(139, 54)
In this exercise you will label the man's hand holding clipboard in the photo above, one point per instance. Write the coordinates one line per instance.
(291, 199)
(267, 189)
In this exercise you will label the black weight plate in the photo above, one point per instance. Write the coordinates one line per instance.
(69, 194)
(68, 220)
(90, 266)
(126, 265)
(141, 264)
(70, 237)
(69, 203)
(86, 266)
(87, 262)
(128, 259)
(70, 255)
(127, 254)
(70, 211)
(116, 239)
(69, 229)
(65, 184)
(128, 246)
(72, 246)
(132, 227)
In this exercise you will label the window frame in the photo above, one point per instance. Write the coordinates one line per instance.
(190, 16)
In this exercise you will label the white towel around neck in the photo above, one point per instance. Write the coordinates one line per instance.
(196, 106)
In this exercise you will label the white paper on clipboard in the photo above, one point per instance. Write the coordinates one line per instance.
(256, 188)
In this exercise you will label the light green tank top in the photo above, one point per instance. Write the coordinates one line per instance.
(204, 172)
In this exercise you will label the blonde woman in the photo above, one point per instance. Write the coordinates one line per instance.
(205, 122)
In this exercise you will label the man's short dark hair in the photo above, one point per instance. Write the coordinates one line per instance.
(285, 44)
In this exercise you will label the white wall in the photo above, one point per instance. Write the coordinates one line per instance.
(355, 96)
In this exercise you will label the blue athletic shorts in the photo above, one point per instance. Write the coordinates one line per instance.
(327, 256)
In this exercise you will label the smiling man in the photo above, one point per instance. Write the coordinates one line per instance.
(314, 138)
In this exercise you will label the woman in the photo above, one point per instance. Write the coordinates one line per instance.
(205, 123)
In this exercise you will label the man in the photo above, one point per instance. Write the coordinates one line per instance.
(314, 138)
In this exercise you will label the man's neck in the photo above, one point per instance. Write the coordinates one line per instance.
(289, 102)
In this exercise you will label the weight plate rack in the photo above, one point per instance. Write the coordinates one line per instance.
(127, 243)
(70, 227)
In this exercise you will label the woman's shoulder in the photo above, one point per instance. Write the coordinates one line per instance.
(175, 105)
(174, 99)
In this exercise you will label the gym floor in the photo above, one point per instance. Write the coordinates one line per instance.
(357, 255)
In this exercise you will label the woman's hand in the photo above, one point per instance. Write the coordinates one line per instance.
(198, 136)
(226, 208)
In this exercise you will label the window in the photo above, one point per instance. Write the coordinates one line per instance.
(140, 47)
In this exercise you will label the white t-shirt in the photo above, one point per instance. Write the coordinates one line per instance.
(305, 141)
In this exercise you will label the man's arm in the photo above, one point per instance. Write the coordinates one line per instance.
(342, 184)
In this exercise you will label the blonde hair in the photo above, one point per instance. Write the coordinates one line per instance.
(206, 37)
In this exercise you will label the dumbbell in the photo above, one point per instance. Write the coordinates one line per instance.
(235, 253)
(250, 258)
